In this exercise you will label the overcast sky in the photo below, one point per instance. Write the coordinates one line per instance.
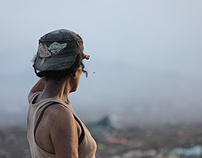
(144, 53)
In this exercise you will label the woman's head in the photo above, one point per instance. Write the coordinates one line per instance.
(60, 54)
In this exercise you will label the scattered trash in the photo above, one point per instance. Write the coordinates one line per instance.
(116, 141)
(195, 151)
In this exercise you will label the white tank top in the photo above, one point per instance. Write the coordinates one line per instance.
(87, 147)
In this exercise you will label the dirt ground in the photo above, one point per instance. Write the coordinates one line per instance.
(115, 142)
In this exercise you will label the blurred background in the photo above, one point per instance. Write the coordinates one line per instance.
(145, 65)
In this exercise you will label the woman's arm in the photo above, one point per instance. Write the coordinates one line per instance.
(64, 134)
(38, 87)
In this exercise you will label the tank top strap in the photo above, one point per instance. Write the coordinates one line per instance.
(53, 101)
(63, 103)
(82, 125)
(49, 100)
(38, 105)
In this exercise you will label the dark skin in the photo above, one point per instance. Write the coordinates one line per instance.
(58, 131)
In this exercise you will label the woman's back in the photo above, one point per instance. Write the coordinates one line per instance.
(87, 146)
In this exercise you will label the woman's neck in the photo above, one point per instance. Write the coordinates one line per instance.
(57, 89)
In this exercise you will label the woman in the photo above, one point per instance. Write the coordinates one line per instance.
(54, 130)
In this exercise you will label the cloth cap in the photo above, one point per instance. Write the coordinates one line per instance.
(57, 50)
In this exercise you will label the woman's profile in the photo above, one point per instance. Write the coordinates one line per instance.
(53, 129)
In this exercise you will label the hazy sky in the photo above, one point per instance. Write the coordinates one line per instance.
(145, 53)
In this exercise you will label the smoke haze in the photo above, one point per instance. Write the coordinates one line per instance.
(145, 61)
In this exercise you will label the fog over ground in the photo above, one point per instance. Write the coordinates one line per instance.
(145, 64)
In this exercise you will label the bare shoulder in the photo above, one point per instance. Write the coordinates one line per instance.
(59, 114)
(57, 131)
(60, 120)
(63, 131)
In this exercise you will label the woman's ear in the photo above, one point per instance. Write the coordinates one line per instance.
(77, 73)
(74, 75)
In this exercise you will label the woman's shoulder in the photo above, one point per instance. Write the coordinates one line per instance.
(55, 117)
(59, 114)
(59, 110)
(60, 121)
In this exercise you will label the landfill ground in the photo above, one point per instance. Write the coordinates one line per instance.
(126, 142)
(148, 141)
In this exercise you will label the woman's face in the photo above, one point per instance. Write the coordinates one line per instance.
(75, 79)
